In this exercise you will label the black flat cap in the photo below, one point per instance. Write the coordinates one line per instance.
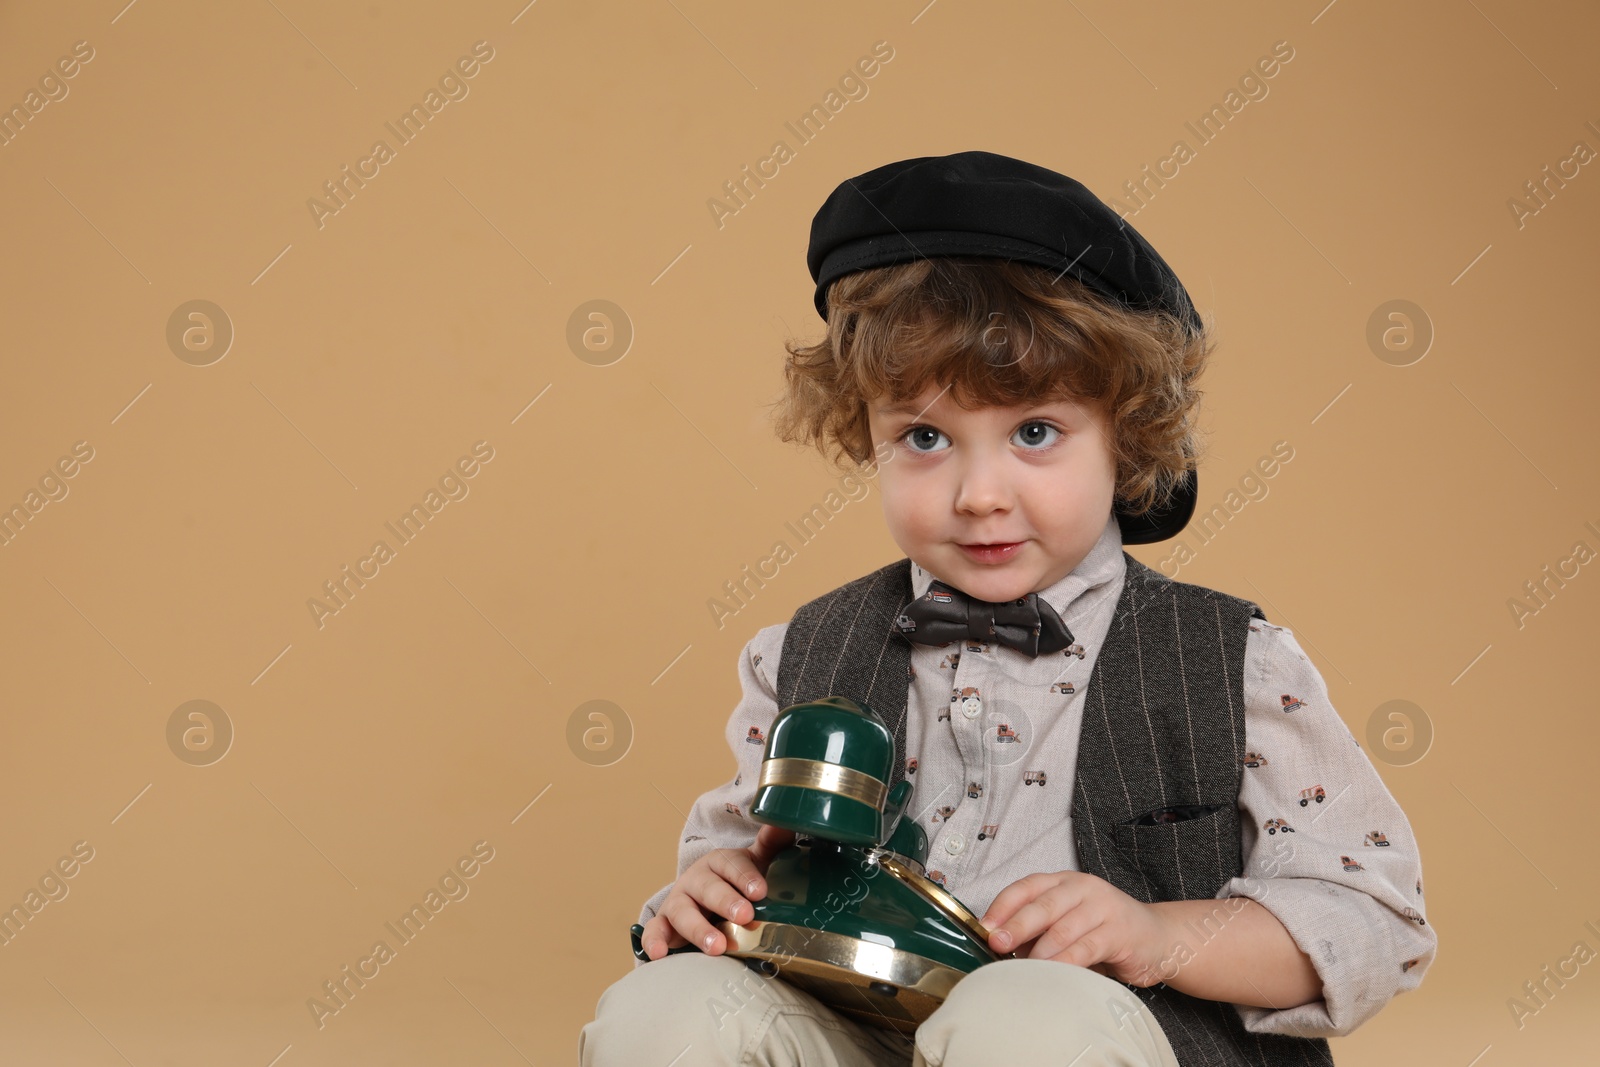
(985, 204)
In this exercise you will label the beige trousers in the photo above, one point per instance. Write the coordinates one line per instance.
(690, 1009)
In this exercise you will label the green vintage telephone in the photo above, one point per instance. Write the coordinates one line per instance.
(850, 916)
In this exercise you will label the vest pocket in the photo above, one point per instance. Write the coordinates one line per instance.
(1188, 858)
(1175, 813)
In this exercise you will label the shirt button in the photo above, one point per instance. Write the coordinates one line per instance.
(954, 844)
(972, 707)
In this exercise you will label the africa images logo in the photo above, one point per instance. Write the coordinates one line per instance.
(341, 989)
(452, 85)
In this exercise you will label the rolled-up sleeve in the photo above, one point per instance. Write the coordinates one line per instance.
(720, 818)
(1327, 848)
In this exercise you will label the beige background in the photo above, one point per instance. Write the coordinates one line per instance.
(369, 354)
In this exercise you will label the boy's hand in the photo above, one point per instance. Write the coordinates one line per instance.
(717, 883)
(1079, 918)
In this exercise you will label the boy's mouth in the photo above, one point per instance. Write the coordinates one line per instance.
(994, 552)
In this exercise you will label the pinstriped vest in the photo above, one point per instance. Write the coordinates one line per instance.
(1163, 725)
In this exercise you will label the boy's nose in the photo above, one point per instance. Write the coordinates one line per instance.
(983, 488)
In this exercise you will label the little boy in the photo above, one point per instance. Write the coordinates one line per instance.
(1139, 784)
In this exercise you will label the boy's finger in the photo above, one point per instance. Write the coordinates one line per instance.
(729, 895)
(1032, 919)
(1009, 899)
(1066, 934)
(770, 840)
(686, 917)
(659, 934)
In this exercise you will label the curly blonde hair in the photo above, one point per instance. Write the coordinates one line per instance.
(1000, 332)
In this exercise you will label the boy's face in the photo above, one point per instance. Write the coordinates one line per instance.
(1036, 476)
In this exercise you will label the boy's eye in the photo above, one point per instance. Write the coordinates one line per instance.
(917, 436)
(1034, 434)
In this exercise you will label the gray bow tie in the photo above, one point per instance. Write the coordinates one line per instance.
(943, 614)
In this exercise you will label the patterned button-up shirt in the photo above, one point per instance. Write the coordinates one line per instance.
(992, 740)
